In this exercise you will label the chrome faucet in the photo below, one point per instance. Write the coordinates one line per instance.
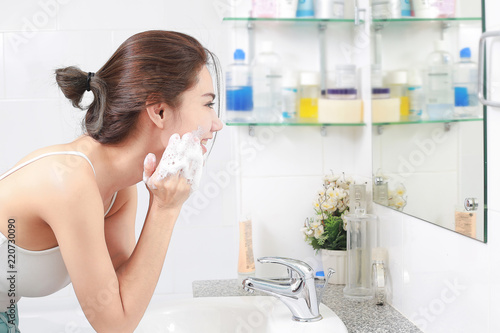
(298, 292)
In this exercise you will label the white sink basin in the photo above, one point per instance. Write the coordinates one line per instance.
(257, 314)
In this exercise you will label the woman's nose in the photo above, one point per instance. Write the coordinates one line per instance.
(216, 124)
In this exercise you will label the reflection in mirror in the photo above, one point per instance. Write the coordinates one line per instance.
(428, 149)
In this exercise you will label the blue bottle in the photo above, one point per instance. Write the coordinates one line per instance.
(305, 8)
(239, 92)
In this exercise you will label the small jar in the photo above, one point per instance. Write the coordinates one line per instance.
(342, 93)
(381, 93)
(345, 76)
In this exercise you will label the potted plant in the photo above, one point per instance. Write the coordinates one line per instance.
(326, 231)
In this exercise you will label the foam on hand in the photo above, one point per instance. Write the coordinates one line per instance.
(182, 155)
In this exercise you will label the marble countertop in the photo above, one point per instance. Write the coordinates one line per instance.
(358, 316)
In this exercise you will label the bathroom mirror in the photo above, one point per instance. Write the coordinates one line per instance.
(428, 127)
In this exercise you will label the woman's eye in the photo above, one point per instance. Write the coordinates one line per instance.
(210, 105)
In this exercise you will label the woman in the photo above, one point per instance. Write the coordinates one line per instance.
(71, 208)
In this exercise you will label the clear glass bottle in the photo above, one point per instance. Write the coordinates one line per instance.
(379, 275)
(239, 93)
(440, 96)
(381, 191)
(267, 85)
(361, 235)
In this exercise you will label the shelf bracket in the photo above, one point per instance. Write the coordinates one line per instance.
(251, 130)
(322, 55)
(380, 129)
(251, 41)
(323, 130)
(444, 28)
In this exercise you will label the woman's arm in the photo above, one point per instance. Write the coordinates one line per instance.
(112, 301)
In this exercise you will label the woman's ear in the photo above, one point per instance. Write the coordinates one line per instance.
(157, 113)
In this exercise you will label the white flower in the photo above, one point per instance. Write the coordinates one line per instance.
(318, 231)
(330, 178)
(400, 190)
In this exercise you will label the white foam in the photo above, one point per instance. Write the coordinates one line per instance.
(184, 155)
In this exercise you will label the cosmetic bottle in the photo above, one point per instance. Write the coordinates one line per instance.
(267, 84)
(246, 262)
(361, 235)
(415, 94)
(239, 93)
(381, 191)
(290, 96)
(440, 94)
(305, 9)
(287, 8)
(309, 95)
(329, 9)
(465, 78)
(264, 8)
(398, 82)
(357, 199)
(379, 275)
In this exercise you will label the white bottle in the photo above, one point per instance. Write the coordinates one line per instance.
(415, 94)
(267, 73)
(440, 96)
(465, 82)
(239, 99)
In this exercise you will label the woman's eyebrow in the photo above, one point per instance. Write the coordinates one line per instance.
(209, 95)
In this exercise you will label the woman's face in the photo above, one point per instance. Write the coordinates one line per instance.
(196, 112)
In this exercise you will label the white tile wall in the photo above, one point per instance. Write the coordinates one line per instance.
(32, 76)
(425, 261)
(29, 16)
(2, 69)
(27, 125)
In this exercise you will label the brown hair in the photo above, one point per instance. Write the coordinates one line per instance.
(153, 66)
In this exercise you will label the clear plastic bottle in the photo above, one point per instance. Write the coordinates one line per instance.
(267, 85)
(308, 95)
(398, 83)
(440, 96)
(415, 95)
(290, 93)
(239, 93)
(465, 82)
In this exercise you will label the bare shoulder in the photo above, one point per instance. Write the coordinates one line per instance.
(68, 185)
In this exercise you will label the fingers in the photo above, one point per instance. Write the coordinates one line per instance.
(149, 166)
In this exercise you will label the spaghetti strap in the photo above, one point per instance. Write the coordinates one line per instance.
(112, 202)
(77, 153)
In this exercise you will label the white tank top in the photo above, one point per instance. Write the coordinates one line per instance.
(38, 273)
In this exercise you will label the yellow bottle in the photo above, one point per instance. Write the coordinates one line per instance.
(308, 95)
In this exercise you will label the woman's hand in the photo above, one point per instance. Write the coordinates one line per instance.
(167, 193)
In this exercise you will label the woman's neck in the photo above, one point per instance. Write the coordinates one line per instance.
(116, 166)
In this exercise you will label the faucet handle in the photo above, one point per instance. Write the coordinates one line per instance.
(301, 268)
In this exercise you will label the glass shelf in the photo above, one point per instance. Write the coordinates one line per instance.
(416, 19)
(290, 123)
(452, 120)
(291, 19)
